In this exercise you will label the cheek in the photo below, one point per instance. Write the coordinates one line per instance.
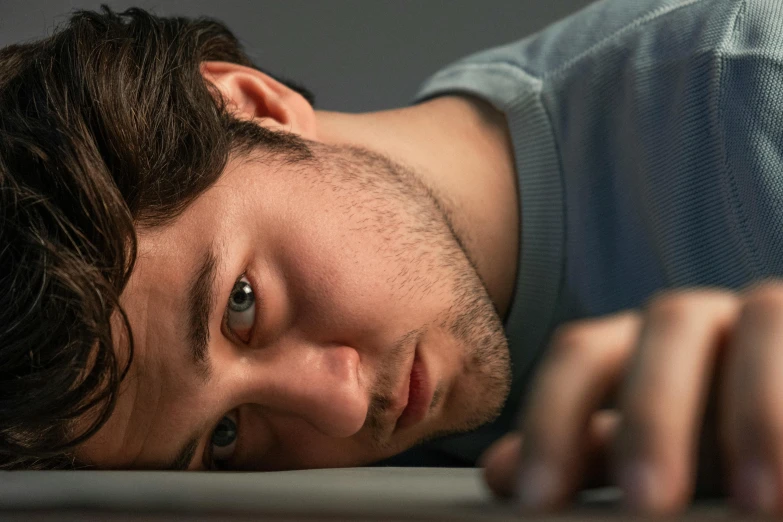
(363, 273)
(334, 275)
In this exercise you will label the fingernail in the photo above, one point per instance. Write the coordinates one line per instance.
(537, 486)
(640, 484)
(756, 488)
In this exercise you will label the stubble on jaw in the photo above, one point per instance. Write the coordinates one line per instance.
(472, 319)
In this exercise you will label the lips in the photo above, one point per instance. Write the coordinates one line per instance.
(417, 397)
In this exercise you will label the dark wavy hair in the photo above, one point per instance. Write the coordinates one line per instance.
(105, 126)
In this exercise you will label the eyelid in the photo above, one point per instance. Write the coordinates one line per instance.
(207, 458)
(256, 316)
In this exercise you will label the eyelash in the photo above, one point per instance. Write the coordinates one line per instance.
(257, 301)
(210, 463)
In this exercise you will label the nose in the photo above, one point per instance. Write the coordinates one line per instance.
(319, 383)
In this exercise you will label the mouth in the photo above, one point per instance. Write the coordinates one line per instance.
(417, 395)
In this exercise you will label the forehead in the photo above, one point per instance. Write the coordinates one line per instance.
(169, 253)
(159, 386)
(154, 301)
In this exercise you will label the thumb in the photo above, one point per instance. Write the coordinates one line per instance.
(501, 460)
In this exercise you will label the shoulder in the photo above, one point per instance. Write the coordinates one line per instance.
(600, 29)
(749, 117)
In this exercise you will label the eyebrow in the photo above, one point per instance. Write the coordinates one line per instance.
(201, 298)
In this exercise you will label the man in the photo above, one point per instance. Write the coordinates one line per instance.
(202, 271)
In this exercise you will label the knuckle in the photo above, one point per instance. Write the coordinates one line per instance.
(673, 305)
(753, 417)
(765, 297)
(592, 340)
(647, 425)
(643, 413)
(576, 337)
(760, 426)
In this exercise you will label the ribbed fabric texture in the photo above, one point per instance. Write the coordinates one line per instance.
(649, 147)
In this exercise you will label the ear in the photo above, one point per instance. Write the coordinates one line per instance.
(253, 95)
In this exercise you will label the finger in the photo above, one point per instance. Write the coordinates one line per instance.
(663, 398)
(585, 362)
(501, 460)
(604, 426)
(500, 463)
(752, 398)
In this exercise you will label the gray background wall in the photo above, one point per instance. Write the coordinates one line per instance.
(356, 55)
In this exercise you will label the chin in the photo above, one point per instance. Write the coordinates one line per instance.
(482, 401)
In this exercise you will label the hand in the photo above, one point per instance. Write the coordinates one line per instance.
(697, 371)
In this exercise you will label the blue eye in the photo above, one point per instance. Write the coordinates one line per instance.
(241, 310)
(224, 439)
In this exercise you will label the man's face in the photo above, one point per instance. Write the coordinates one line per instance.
(318, 284)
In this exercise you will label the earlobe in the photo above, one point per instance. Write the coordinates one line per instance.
(252, 94)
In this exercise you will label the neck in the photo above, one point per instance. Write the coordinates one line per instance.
(462, 149)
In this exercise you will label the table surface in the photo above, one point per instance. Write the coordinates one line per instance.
(330, 494)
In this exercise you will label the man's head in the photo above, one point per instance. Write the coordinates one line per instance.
(182, 257)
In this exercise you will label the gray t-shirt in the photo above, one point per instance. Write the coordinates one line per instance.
(648, 140)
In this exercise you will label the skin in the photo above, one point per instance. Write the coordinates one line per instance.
(353, 280)
(692, 371)
(356, 262)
